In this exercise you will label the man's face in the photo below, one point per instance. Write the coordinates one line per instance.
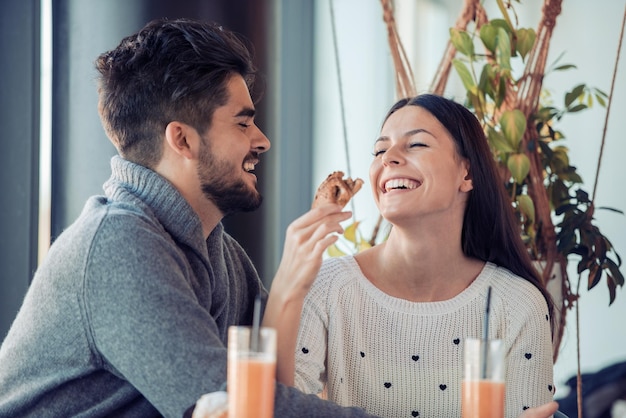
(230, 150)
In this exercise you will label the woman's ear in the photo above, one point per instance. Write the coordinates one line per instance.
(181, 139)
(467, 184)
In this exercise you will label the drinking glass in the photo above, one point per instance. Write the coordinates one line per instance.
(482, 389)
(251, 373)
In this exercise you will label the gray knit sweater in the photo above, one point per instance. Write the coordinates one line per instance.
(128, 315)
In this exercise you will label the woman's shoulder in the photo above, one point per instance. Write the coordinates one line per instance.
(338, 270)
(334, 275)
(515, 290)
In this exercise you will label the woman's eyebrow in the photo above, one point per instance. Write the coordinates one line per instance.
(381, 139)
(416, 131)
(405, 135)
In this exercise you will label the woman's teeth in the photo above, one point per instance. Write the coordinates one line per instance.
(401, 184)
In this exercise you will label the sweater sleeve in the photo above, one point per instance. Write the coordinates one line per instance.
(145, 322)
(290, 402)
(529, 371)
(312, 343)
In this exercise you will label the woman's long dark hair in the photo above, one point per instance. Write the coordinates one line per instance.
(490, 230)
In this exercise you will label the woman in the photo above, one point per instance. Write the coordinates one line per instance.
(384, 329)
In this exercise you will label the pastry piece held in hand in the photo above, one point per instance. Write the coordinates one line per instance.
(336, 189)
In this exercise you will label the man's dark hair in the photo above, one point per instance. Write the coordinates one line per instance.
(171, 70)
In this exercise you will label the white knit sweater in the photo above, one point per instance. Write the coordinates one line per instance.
(397, 358)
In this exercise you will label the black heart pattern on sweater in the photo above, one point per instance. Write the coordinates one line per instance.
(387, 385)
(528, 355)
(415, 358)
(362, 354)
(443, 387)
(456, 341)
(415, 413)
(305, 350)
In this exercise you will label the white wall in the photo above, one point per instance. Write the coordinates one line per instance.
(587, 32)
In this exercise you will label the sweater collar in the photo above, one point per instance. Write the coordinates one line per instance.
(136, 182)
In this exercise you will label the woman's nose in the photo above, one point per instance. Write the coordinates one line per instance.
(392, 156)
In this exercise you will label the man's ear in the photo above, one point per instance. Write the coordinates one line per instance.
(181, 138)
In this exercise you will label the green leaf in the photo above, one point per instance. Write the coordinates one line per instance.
(595, 274)
(567, 243)
(571, 96)
(564, 67)
(503, 49)
(350, 232)
(334, 251)
(525, 41)
(513, 125)
(614, 269)
(477, 99)
(611, 209)
(577, 108)
(599, 92)
(497, 141)
(488, 34)
(601, 100)
(464, 73)
(501, 94)
(462, 42)
(611, 285)
(363, 245)
(560, 159)
(527, 207)
(501, 24)
(583, 264)
(519, 165)
(487, 81)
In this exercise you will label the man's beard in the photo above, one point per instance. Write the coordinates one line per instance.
(220, 184)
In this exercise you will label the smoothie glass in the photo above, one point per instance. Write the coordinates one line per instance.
(251, 373)
(482, 389)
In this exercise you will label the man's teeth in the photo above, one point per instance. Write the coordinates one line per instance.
(248, 166)
(401, 184)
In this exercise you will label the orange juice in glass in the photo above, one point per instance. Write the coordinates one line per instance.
(482, 389)
(251, 373)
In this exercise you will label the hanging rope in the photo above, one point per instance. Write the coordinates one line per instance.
(472, 11)
(579, 381)
(405, 86)
(608, 107)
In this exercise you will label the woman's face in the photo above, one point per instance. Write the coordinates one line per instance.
(416, 169)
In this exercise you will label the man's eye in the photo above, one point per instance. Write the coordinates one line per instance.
(244, 125)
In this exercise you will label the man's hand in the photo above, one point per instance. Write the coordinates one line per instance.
(543, 411)
(307, 239)
(211, 405)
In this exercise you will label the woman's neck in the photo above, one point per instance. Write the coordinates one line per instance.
(426, 269)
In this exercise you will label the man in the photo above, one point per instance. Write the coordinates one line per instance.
(128, 315)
